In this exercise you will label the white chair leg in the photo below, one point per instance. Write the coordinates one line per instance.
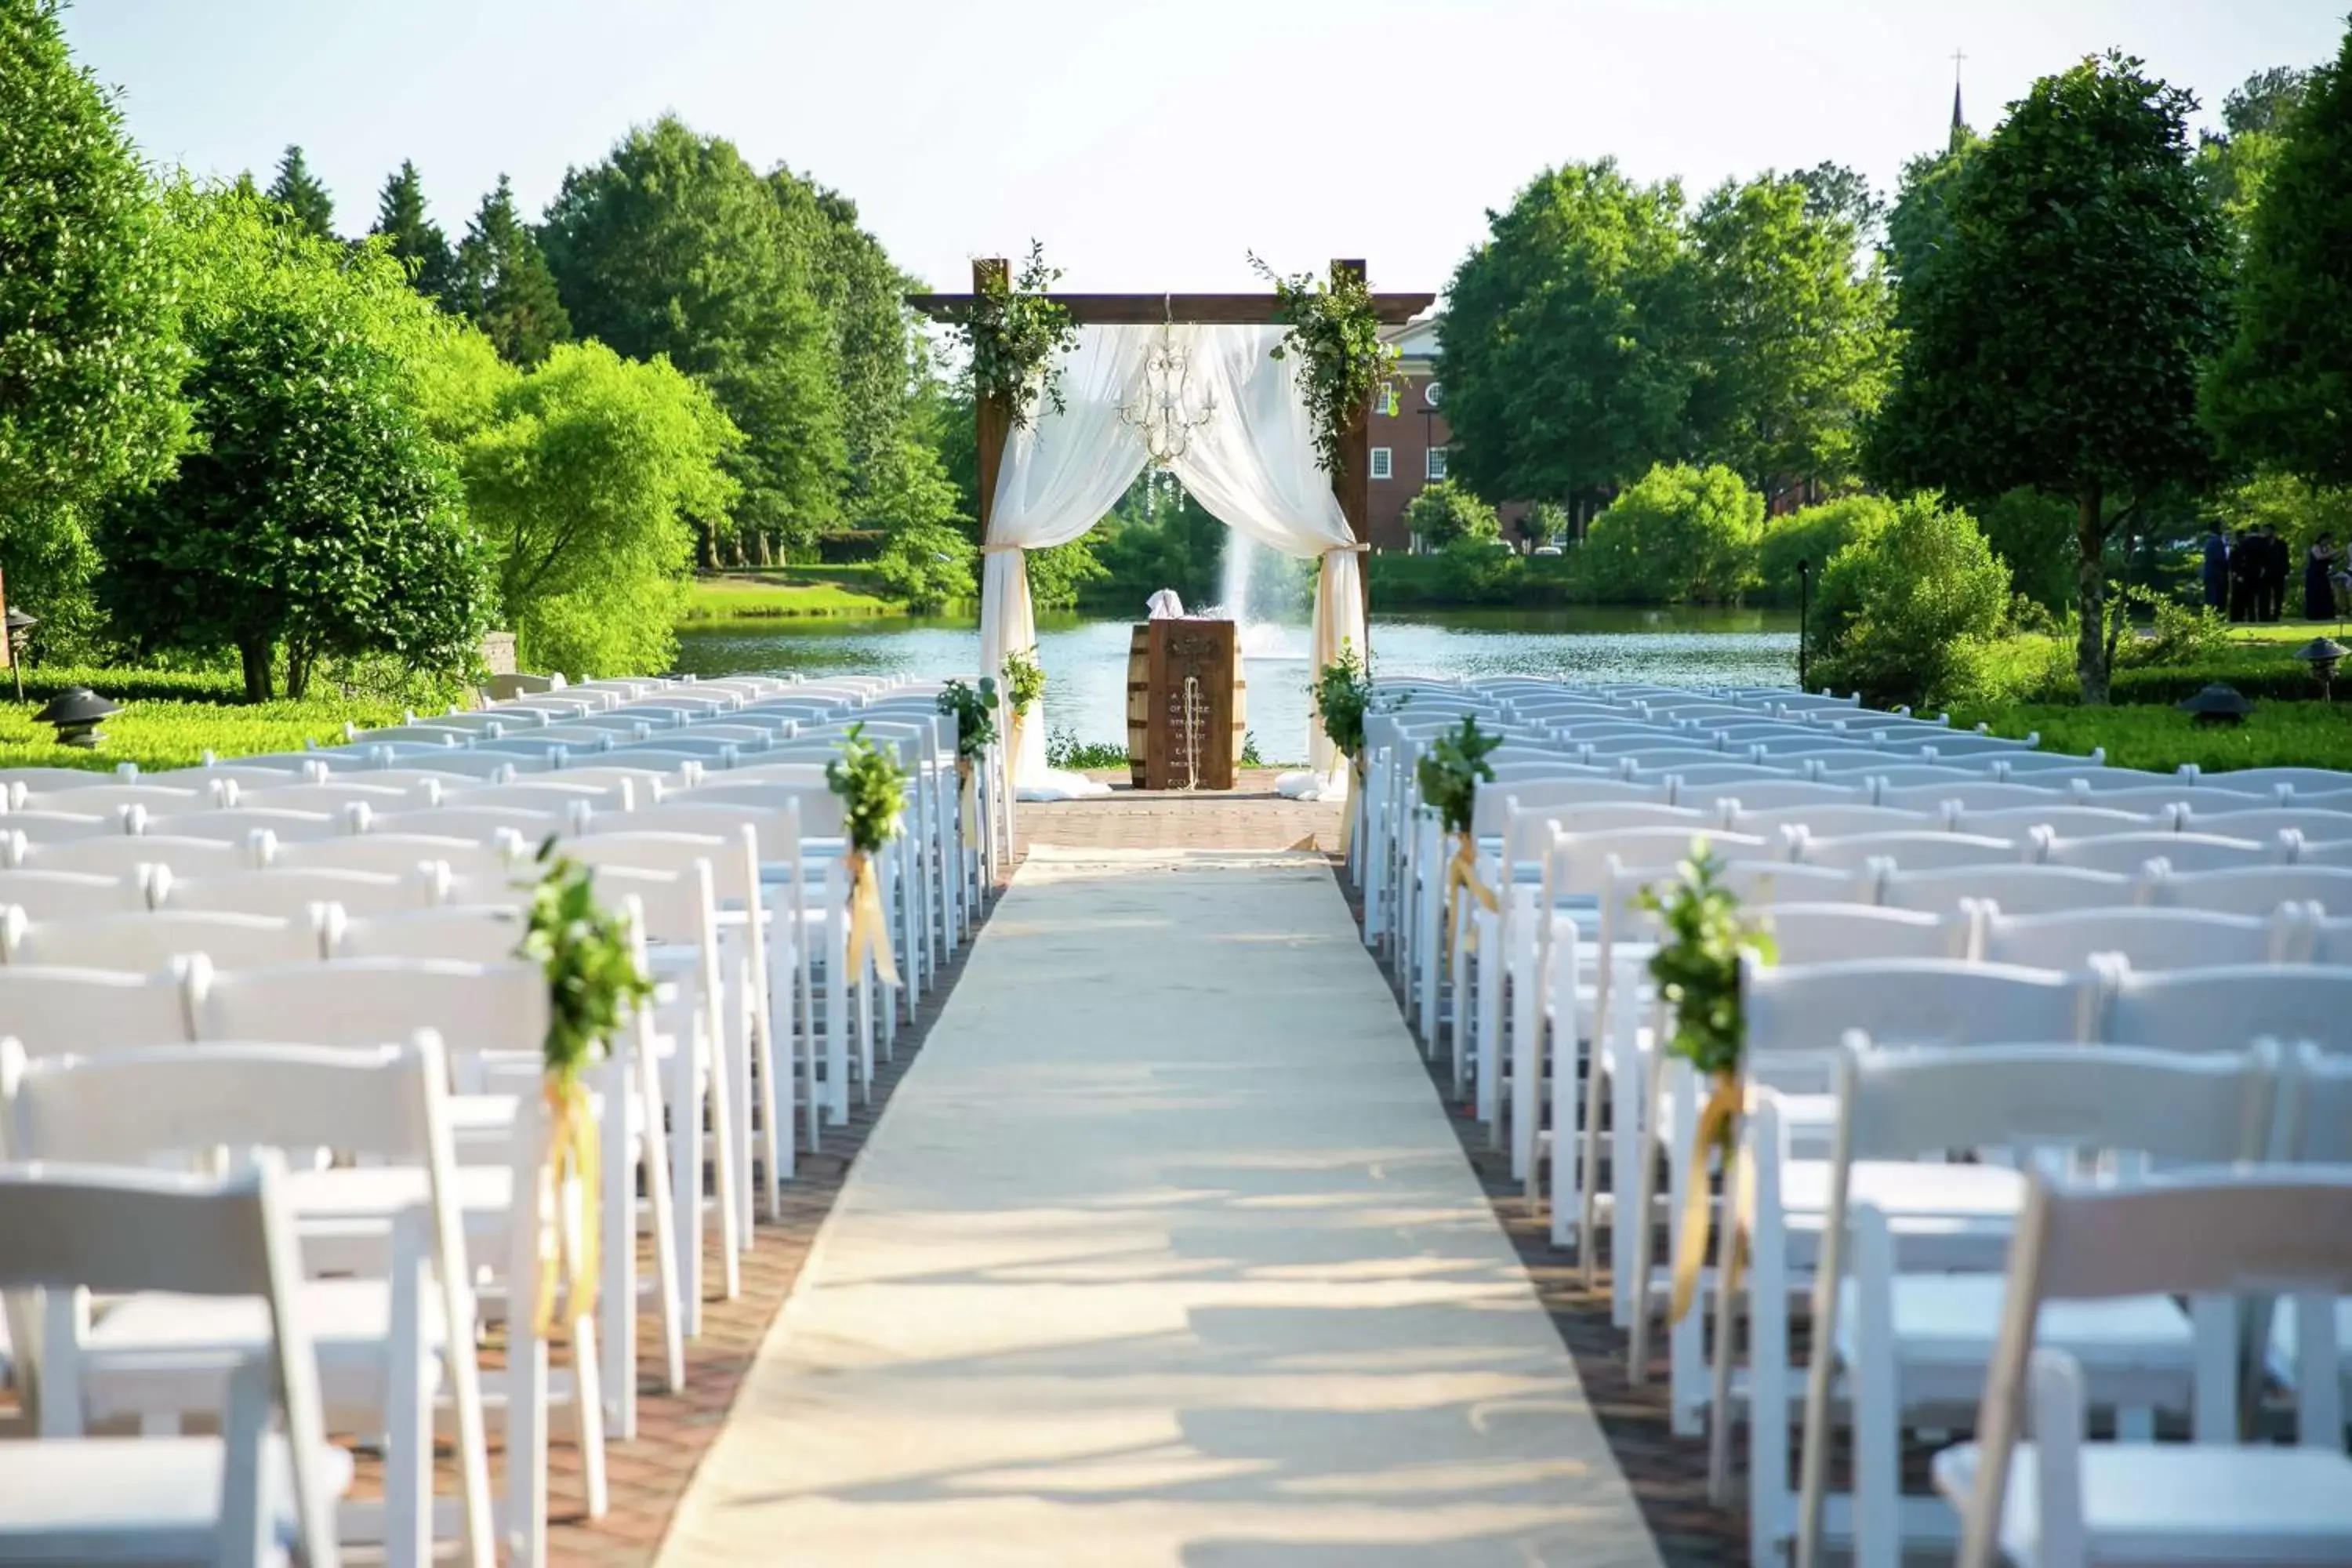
(670, 1287)
(588, 1416)
(408, 1398)
(717, 1081)
(617, 1252)
(684, 1138)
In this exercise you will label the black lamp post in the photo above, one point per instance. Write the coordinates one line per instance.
(1804, 616)
(76, 712)
(19, 632)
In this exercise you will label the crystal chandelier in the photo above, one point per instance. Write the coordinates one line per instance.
(1162, 408)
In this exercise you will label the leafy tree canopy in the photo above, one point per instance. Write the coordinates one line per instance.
(2056, 342)
(674, 246)
(1813, 534)
(1918, 227)
(1909, 607)
(1445, 512)
(318, 513)
(1799, 347)
(1676, 535)
(1566, 345)
(413, 238)
(2281, 392)
(1835, 191)
(305, 202)
(90, 357)
(503, 284)
(587, 484)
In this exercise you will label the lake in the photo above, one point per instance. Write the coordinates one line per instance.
(1085, 656)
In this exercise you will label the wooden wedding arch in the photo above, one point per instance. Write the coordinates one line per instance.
(993, 417)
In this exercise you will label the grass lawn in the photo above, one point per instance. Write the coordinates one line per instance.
(158, 735)
(2306, 734)
(787, 590)
(2294, 631)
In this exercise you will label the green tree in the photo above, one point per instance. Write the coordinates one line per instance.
(1919, 224)
(503, 284)
(1909, 607)
(90, 356)
(413, 238)
(1835, 191)
(1799, 343)
(317, 513)
(879, 359)
(587, 485)
(1677, 534)
(1813, 534)
(2235, 162)
(2280, 393)
(1568, 346)
(2056, 342)
(304, 200)
(1446, 512)
(2033, 534)
(674, 246)
(927, 558)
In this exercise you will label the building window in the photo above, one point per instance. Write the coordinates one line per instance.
(1381, 467)
(1384, 402)
(1437, 469)
(1429, 394)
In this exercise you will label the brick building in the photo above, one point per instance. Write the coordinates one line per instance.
(1409, 437)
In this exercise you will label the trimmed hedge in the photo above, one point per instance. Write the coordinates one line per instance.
(126, 685)
(2277, 734)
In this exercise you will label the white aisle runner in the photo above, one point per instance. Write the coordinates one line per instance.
(1163, 1254)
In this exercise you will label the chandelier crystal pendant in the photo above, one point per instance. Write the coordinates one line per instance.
(1163, 407)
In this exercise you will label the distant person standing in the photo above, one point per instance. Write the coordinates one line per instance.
(2278, 563)
(2245, 571)
(2318, 580)
(2217, 568)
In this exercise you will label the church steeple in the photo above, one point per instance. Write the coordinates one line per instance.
(1960, 122)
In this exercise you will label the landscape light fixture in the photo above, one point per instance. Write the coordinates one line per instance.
(76, 712)
(2216, 707)
(2321, 654)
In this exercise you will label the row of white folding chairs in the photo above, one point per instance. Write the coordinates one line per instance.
(149, 1067)
(1792, 1010)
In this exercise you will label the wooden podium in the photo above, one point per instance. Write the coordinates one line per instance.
(1186, 725)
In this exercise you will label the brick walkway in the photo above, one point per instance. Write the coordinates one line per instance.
(1249, 817)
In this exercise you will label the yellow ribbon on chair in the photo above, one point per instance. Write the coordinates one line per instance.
(1461, 872)
(1348, 807)
(869, 929)
(1719, 1127)
(568, 1273)
(967, 805)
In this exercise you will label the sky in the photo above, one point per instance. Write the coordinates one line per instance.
(1149, 146)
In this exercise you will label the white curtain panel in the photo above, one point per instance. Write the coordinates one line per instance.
(1253, 466)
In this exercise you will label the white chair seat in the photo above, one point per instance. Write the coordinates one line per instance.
(367, 1198)
(159, 1351)
(2147, 1503)
(1949, 1322)
(1921, 1199)
(133, 1499)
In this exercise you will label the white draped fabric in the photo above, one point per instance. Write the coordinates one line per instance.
(1252, 464)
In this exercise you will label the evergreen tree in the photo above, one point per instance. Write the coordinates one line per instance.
(504, 285)
(306, 200)
(423, 249)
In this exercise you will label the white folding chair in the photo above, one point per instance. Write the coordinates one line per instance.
(2017, 889)
(2203, 1009)
(148, 939)
(2063, 819)
(291, 892)
(2130, 853)
(53, 829)
(402, 854)
(250, 1497)
(71, 895)
(2252, 890)
(1904, 851)
(111, 798)
(51, 1011)
(160, 1358)
(123, 856)
(237, 825)
(2062, 1502)
(2146, 939)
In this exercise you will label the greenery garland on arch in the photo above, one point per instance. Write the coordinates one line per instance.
(1013, 334)
(1335, 331)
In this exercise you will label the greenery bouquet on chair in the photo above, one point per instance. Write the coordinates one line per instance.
(1025, 684)
(1450, 774)
(1343, 694)
(593, 982)
(873, 790)
(1702, 933)
(975, 717)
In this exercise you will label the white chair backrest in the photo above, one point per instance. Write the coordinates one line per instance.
(119, 1232)
(2323, 852)
(2263, 822)
(2129, 853)
(1971, 795)
(1911, 1001)
(1823, 821)
(2145, 938)
(1904, 851)
(554, 793)
(150, 939)
(43, 828)
(237, 825)
(2268, 781)
(1771, 794)
(460, 933)
(292, 892)
(124, 857)
(2065, 819)
(424, 786)
(648, 786)
(2221, 1007)
(400, 854)
(53, 1011)
(658, 758)
(486, 823)
(726, 852)
(1896, 781)
(2018, 889)
(494, 767)
(2316, 1124)
(1526, 825)
(1806, 933)
(1577, 864)
(71, 895)
(111, 796)
(334, 798)
(495, 1006)
(2254, 890)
